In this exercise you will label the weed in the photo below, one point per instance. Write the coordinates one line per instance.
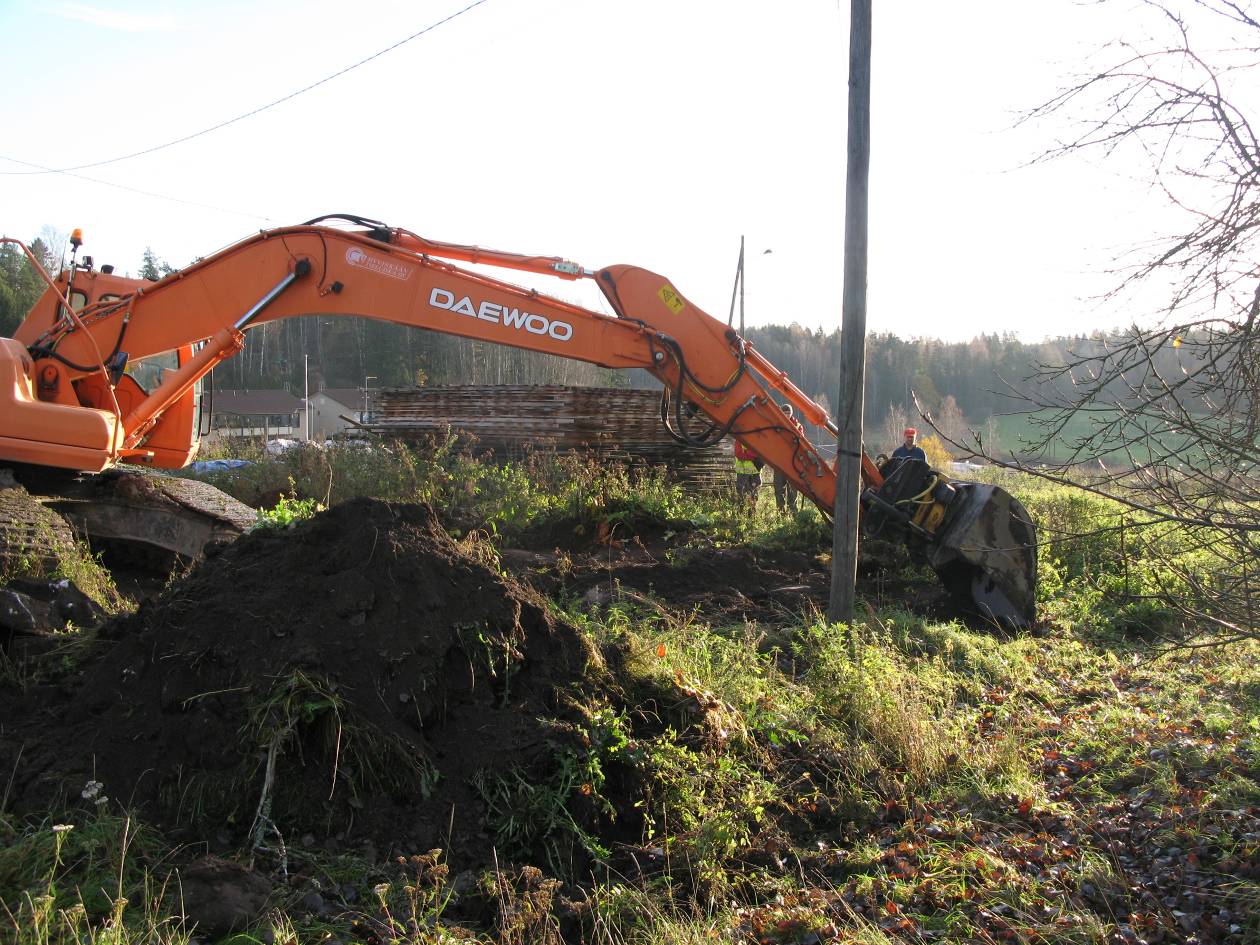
(75, 883)
(288, 510)
(302, 712)
(411, 906)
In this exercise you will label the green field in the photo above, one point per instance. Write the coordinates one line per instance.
(1016, 433)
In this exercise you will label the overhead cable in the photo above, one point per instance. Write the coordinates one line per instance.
(137, 190)
(250, 114)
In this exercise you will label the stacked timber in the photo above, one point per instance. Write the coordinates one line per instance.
(511, 421)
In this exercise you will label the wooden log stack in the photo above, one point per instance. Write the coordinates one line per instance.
(509, 421)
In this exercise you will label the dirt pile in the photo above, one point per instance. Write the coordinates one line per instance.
(351, 678)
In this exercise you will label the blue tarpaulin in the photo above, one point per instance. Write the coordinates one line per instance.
(218, 465)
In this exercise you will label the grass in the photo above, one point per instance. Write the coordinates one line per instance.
(74, 881)
(899, 779)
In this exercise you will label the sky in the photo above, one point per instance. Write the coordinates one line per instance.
(655, 133)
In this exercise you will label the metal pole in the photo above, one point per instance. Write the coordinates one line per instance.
(366, 390)
(306, 393)
(741, 286)
(853, 326)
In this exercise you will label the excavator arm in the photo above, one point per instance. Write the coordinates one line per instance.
(75, 407)
(396, 276)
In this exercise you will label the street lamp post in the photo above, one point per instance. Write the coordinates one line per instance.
(366, 387)
(737, 291)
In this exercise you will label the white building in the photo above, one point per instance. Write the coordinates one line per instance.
(337, 409)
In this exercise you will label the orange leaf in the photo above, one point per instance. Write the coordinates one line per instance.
(891, 907)
(1025, 805)
(660, 651)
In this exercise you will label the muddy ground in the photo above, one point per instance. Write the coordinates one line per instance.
(720, 584)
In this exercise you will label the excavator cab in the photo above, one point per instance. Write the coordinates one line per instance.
(977, 537)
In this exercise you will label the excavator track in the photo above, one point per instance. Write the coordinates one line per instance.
(30, 535)
(166, 519)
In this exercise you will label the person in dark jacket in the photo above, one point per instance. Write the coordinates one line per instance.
(784, 491)
(908, 449)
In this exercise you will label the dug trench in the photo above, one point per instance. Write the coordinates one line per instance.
(656, 560)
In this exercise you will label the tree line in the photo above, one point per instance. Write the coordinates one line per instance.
(961, 384)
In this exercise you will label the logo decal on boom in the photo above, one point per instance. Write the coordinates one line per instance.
(501, 315)
(386, 267)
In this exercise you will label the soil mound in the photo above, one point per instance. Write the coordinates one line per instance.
(350, 678)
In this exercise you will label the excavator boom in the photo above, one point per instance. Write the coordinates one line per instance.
(74, 406)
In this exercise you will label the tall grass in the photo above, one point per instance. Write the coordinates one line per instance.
(505, 498)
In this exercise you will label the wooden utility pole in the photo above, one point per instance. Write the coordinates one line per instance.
(853, 326)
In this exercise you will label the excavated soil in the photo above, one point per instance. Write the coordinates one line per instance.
(359, 679)
(352, 676)
(722, 585)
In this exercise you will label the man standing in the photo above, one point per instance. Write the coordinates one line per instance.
(908, 449)
(784, 491)
(747, 474)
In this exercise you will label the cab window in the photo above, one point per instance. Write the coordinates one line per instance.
(151, 371)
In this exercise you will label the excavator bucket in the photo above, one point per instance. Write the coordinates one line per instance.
(986, 552)
(977, 537)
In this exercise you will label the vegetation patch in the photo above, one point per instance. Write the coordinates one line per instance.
(381, 736)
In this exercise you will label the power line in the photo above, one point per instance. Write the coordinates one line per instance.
(137, 190)
(249, 114)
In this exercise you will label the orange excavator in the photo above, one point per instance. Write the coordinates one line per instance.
(106, 370)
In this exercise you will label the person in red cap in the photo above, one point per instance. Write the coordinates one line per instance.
(908, 450)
